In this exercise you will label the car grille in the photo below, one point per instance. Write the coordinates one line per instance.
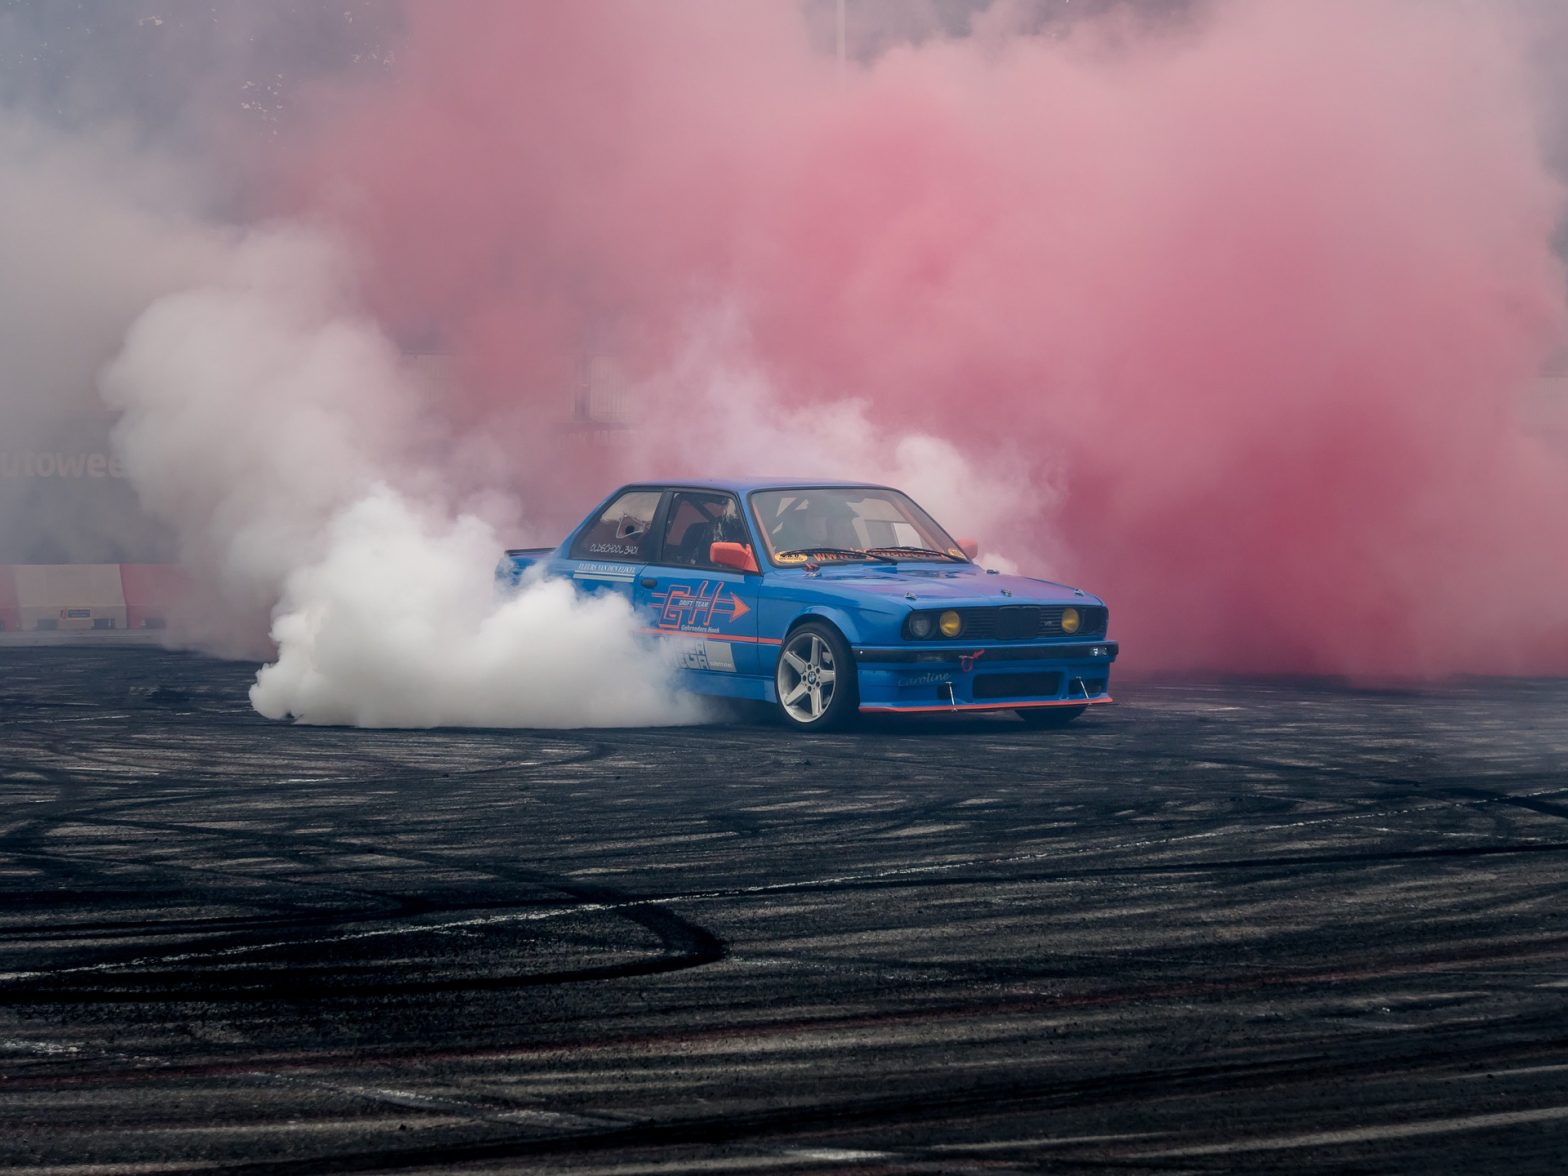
(1017, 622)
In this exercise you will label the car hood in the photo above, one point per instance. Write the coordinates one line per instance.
(934, 586)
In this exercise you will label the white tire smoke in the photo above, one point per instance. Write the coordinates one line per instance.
(276, 431)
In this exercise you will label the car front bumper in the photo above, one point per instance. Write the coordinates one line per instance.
(929, 678)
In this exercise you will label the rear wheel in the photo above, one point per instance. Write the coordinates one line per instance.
(816, 678)
(1050, 716)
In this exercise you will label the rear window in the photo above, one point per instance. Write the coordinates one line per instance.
(623, 530)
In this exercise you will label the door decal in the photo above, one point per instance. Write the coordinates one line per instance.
(597, 570)
(711, 608)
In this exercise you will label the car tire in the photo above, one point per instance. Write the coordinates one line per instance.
(816, 675)
(1050, 716)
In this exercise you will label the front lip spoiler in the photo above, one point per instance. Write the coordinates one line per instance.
(1079, 651)
(948, 708)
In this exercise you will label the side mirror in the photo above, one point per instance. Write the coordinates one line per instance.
(970, 547)
(733, 555)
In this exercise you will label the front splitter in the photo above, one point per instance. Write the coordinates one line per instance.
(947, 707)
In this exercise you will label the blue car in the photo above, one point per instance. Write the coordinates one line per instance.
(831, 600)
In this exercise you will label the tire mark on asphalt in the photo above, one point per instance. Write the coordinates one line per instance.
(1029, 1093)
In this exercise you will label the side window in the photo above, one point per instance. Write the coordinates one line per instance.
(696, 521)
(623, 531)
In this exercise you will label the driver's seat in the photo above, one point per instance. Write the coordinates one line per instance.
(695, 545)
(840, 532)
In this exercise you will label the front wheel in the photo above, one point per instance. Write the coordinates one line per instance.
(1050, 716)
(816, 678)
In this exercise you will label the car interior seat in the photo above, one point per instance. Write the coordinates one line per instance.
(840, 532)
(694, 545)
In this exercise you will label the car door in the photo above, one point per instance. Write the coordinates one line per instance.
(708, 610)
(610, 550)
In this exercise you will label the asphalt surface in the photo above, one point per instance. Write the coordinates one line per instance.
(1247, 927)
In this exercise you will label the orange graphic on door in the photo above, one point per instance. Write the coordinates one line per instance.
(704, 609)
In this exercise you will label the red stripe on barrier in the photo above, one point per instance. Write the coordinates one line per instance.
(152, 593)
(10, 607)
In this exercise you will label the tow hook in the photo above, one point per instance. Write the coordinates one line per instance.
(966, 661)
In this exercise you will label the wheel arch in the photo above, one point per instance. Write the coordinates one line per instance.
(826, 613)
(769, 665)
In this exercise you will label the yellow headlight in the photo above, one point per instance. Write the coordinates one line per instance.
(951, 624)
(1070, 620)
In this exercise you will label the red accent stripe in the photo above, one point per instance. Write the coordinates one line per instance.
(983, 706)
(714, 636)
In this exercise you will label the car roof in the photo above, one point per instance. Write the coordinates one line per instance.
(747, 485)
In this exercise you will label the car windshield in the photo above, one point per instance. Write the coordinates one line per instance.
(833, 523)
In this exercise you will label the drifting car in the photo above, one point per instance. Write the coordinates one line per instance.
(829, 600)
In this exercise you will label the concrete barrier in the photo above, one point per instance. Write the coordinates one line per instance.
(69, 597)
(86, 599)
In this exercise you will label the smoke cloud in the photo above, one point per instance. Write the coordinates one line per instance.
(1259, 290)
(91, 230)
(293, 457)
(282, 436)
(1232, 312)
(394, 626)
(731, 413)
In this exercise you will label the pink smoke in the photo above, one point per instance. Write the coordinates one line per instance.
(1263, 292)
